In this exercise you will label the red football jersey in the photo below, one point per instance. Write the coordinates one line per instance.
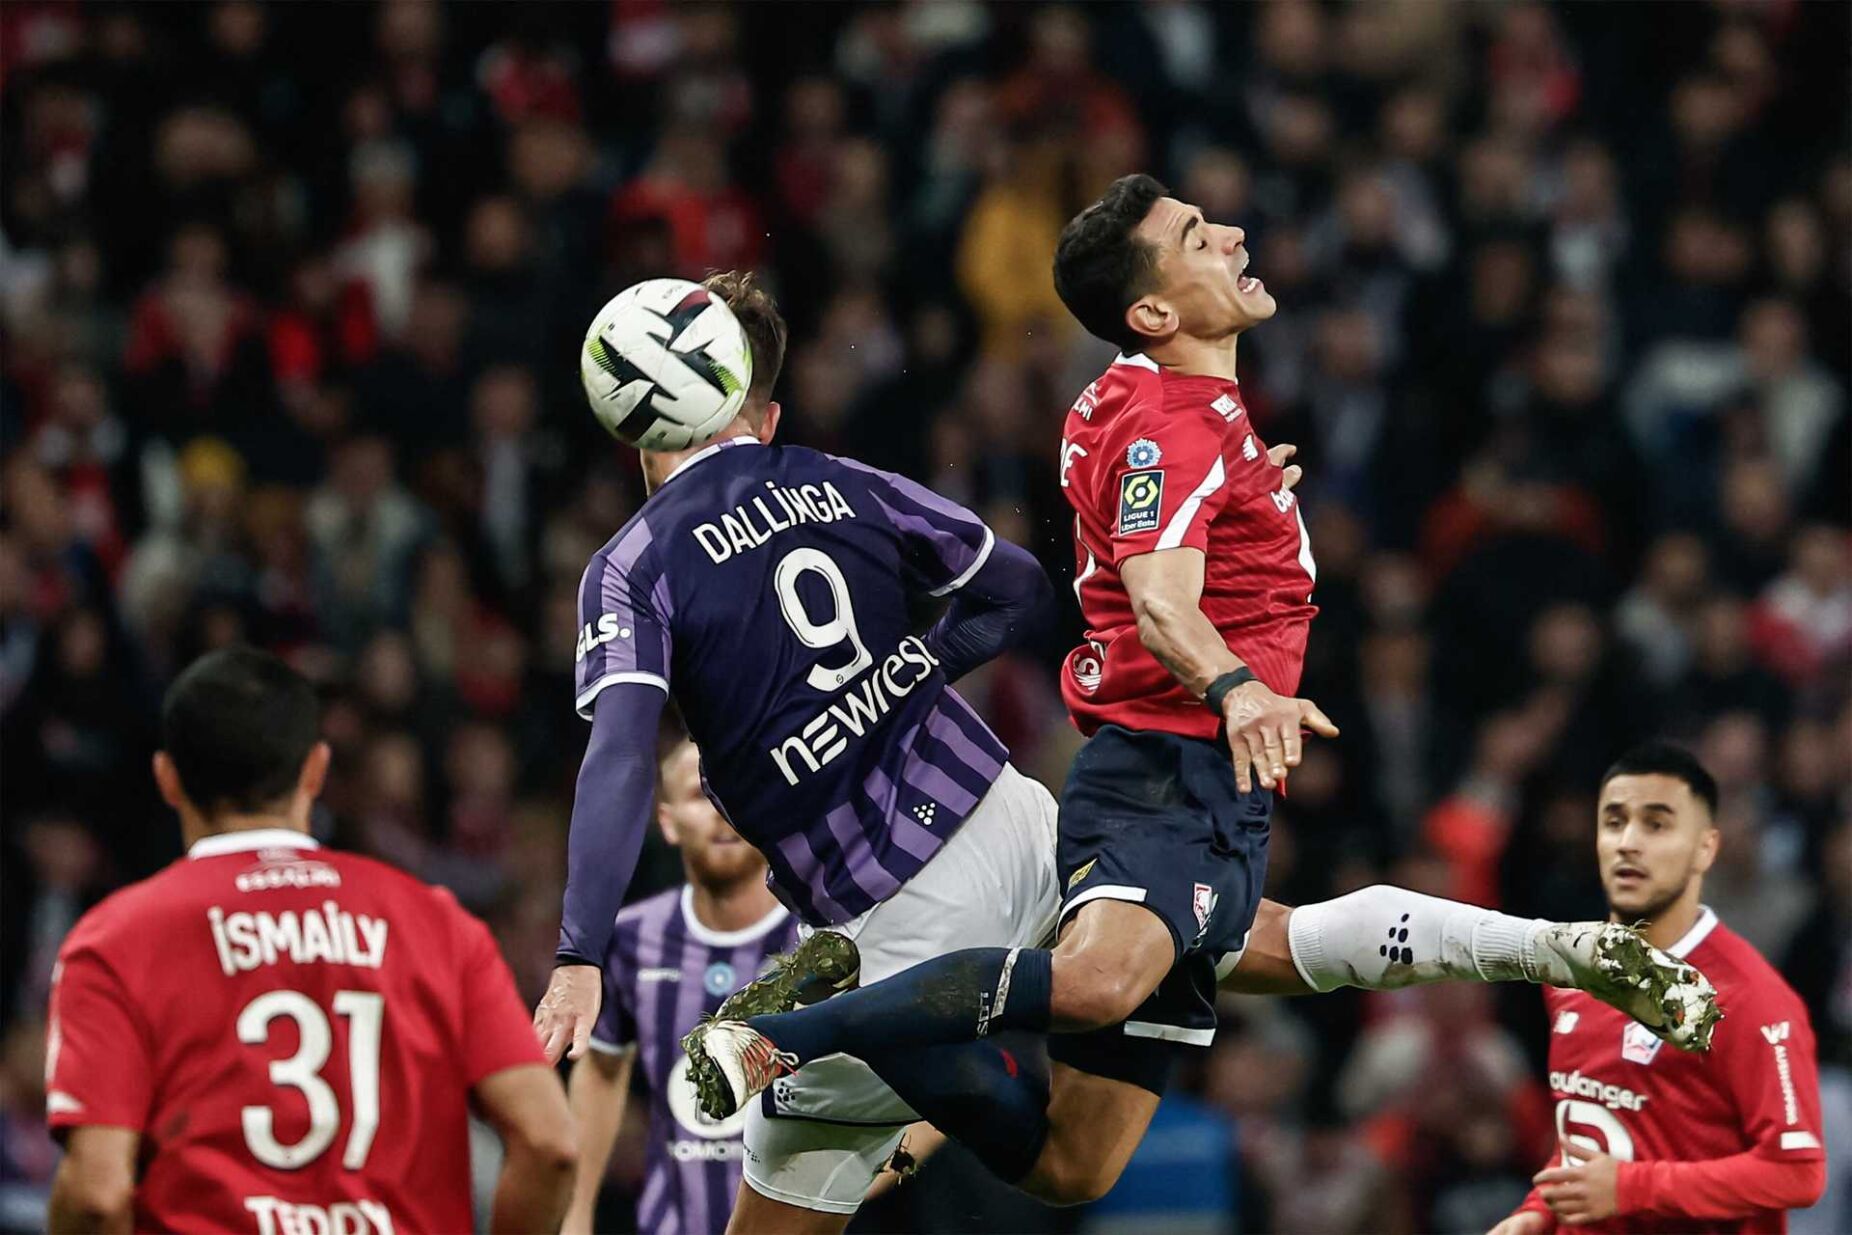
(293, 1032)
(1620, 1091)
(1155, 460)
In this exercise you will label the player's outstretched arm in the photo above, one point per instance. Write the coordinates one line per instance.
(1166, 589)
(95, 1187)
(526, 1105)
(595, 1094)
(611, 809)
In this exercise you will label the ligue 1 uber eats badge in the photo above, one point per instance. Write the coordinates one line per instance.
(1141, 497)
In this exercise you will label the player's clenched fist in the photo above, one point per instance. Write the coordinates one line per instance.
(568, 1010)
(1263, 732)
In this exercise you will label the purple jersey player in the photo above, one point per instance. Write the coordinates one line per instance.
(673, 958)
(771, 591)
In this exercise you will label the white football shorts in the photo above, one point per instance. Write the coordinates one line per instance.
(834, 1124)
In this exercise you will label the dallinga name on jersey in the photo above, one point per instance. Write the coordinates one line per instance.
(859, 708)
(247, 939)
(751, 524)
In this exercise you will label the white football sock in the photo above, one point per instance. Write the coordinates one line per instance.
(1384, 938)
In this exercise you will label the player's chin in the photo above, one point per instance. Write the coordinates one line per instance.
(1253, 302)
(1630, 898)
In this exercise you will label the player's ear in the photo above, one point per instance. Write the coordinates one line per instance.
(314, 772)
(1151, 318)
(1708, 844)
(665, 822)
(167, 779)
(768, 423)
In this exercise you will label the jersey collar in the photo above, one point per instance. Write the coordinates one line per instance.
(242, 842)
(709, 452)
(1699, 932)
(727, 939)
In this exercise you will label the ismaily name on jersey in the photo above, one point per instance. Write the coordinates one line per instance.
(1614, 1097)
(330, 934)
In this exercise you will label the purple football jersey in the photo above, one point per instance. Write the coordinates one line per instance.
(663, 971)
(767, 588)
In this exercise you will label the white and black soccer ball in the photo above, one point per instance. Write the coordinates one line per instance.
(666, 365)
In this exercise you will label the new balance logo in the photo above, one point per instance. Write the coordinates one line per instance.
(1227, 407)
(1566, 1021)
(1777, 1032)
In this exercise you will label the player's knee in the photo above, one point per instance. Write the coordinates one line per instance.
(1090, 995)
(1063, 1181)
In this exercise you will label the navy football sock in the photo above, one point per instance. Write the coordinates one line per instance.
(990, 1096)
(958, 997)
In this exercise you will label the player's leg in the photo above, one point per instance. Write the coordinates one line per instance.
(1106, 968)
(1094, 1125)
(757, 1214)
(807, 1177)
(1386, 938)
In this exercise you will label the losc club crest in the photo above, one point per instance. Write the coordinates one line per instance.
(1637, 1043)
(1203, 901)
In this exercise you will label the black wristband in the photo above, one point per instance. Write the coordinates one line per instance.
(1218, 689)
(563, 958)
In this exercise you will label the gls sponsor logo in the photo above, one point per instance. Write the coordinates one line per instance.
(597, 634)
(859, 709)
(1614, 1097)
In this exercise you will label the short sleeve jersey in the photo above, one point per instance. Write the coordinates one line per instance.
(1153, 460)
(1621, 1091)
(663, 972)
(768, 590)
(294, 1032)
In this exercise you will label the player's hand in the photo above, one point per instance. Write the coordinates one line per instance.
(1524, 1222)
(1263, 732)
(568, 1010)
(1582, 1189)
(1278, 455)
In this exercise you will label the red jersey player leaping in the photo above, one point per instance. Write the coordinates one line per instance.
(1657, 1141)
(271, 1037)
(1195, 580)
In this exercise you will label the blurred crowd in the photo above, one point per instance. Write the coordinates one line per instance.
(292, 298)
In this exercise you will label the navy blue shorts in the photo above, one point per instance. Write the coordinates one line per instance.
(1155, 819)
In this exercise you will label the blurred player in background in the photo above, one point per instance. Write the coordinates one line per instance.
(1664, 1141)
(269, 1036)
(672, 958)
(1195, 580)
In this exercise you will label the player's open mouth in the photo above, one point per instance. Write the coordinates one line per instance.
(1244, 283)
(1628, 874)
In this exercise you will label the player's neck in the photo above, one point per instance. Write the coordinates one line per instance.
(195, 828)
(659, 465)
(731, 906)
(1675, 923)
(1198, 357)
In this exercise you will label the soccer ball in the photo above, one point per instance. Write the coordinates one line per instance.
(666, 365)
